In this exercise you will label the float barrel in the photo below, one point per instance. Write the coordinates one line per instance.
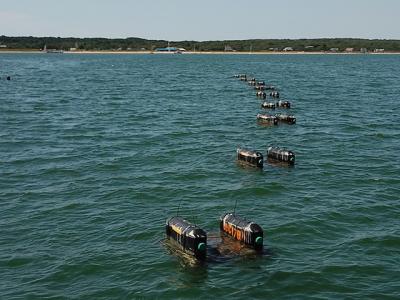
(281, 155)
(242, 230)
(190, 237)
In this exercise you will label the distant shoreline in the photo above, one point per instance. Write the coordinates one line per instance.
(202, 52)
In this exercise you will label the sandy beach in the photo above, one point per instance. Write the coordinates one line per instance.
(203, 52)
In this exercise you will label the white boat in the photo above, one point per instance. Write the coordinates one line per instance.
(51, 50)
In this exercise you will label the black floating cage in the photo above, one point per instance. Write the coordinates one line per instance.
(286, 118)
(250, 157)
(250, 233)
(190, 237)
(281, 155)
(283, 104)
(268, 105)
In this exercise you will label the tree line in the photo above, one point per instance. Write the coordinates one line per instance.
(254, 45)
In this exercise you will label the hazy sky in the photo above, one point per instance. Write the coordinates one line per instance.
(201, 19)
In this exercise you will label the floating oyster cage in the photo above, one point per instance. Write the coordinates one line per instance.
(250, 233)
(283, 104)
(267, 119)
(281, 155)
(191, 238)
(250, 157)
(261, 94)
(290, 119)
(252, 82)
(259, 87)
(274, 94)
(270, 105)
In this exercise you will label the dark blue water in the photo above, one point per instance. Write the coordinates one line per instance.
(96, 151)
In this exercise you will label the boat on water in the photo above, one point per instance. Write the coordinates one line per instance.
(169, 50)
(52, 50)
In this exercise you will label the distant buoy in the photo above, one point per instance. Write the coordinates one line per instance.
(8, 77)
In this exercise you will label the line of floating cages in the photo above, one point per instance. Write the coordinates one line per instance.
(261, 87)
(192, 239)
(258, 85)
(255, 158)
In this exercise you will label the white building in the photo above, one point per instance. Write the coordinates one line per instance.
(287, 49)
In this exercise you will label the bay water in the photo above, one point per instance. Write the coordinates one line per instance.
(97, 151)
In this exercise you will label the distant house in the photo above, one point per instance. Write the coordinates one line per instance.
(309, 47)
(72, 49)
(3, 46)
(287, 49)
(228, 48)
(334, 49)
(364, 50)
(349, 50)
(273, 49)
(381, 50)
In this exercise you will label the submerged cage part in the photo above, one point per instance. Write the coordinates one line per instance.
(267, 119)
(191, 238)
(268, 105)
(249, 157)
(259, 87)
(281, 155)
(283, 104)
(286, 118)
(242, 230)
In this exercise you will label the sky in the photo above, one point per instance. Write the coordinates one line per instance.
(201, 20)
